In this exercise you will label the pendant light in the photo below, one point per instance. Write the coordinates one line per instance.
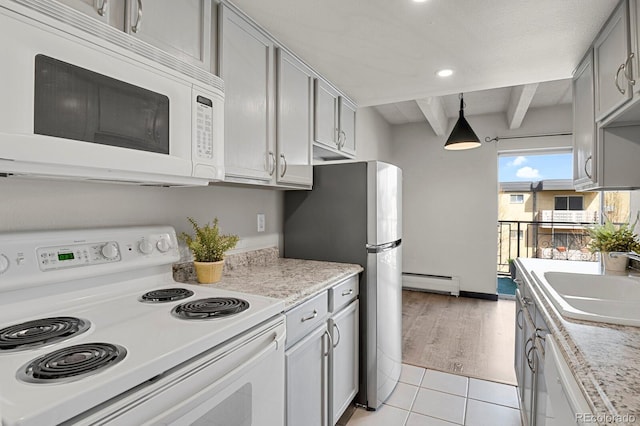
(462, 136)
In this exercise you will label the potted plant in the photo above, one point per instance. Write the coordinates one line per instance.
(612, 241)
(208, 247)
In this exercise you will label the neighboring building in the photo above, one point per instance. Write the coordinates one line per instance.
(548, 219)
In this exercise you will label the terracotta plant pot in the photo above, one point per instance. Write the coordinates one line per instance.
(615, 262)
(209, 272)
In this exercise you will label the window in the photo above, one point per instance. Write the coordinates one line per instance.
(516, 198)
(568, 202)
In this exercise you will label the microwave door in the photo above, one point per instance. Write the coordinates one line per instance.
(75, 103)
(133, 120)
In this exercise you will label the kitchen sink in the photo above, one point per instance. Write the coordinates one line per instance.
(603, 298)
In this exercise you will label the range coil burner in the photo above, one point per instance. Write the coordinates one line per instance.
(213, 307)
(166, 295)
(40, 332)
(72, 363)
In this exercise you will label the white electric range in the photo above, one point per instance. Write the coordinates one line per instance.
(94, 330)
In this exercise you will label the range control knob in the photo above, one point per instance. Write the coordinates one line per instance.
(4, 263)
(110, 250)
(163, 244)
(145, 246)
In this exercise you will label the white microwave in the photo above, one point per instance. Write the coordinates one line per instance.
(75, 105)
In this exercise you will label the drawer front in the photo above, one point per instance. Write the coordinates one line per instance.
(341, 294)
(304, 318)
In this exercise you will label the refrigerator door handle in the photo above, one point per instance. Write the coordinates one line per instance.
(372, 248)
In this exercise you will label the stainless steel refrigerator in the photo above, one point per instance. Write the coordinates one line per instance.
(354, 215)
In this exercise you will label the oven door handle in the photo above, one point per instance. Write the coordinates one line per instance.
(181, 413)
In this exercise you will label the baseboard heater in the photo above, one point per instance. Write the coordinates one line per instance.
(428, 282)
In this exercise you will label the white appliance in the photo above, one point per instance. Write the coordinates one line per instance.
(83, 100)
(354, 215)
(93, 330)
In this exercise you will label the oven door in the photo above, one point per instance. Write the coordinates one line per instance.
(238, 384)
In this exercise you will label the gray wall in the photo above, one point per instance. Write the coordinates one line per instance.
(29, 204)
(450, 198)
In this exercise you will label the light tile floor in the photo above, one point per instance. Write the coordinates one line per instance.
(430, 397)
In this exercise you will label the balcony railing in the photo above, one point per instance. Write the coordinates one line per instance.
(573, 216)
(543, 240)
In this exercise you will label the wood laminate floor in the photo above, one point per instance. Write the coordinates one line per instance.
(470, 337)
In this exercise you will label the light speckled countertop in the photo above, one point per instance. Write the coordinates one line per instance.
(264, 273)
(605, 358)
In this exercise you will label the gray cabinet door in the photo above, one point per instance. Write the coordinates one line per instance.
(584, 127)
(326, 114)
(182, 28)
(344, 359)
(108, 11)
(307, 373)
(247, 68)
(612, 64)
(347, 138)
(294, 121)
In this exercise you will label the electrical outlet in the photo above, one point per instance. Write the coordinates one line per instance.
(261, 222)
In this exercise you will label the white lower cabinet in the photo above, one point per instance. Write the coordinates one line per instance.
(344, 359)
(306, 366)
(321, 357)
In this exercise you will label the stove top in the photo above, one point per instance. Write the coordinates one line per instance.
(72, 363)
(40, 332)
(166, 295)
(213, 307)
(73, 337)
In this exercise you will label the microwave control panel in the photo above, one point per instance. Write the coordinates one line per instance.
(204, 127)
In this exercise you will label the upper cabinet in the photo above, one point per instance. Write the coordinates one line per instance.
(606, 106)
(294, 121)
(334, 136)
(584, 126)
(247, 68)
(277, 109)
(347, 135)
(106, 11)
(612, 57)
(182, 29)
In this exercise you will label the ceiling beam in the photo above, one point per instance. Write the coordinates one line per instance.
(433, 110)
(521, 97)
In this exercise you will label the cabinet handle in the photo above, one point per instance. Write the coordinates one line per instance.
(528, 351)
(347, 292)
(342, 139)
(338, 136)
(102, 10)
(518, 316)
(272, 169)
(136, 26)
(284, 169)
(620, 68)
(330, 343)
(532, 366)
(337, 331)
(628, 67)
(310, 316)
(586, 172)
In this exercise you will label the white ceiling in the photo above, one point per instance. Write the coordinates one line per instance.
(387, 51)
(481, 102)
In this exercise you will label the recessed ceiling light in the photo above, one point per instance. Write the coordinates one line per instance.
(445, 72)
(419, 1)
